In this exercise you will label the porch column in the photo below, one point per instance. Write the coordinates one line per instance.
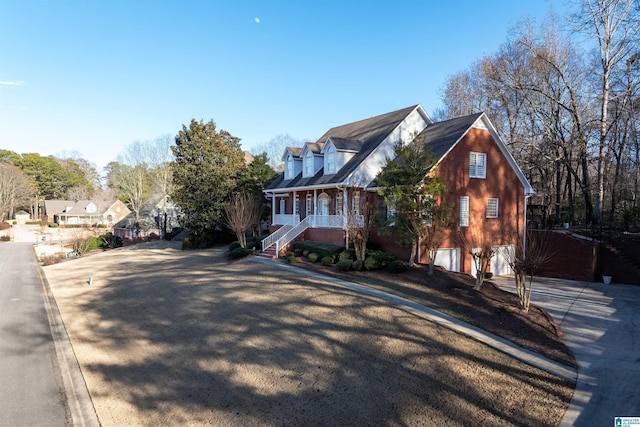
(345, 209)
(293, 208)
(273, 210)
(315, 205)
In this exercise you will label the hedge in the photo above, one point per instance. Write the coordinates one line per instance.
(322, 249)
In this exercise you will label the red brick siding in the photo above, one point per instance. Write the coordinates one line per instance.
(572, 258)
(501, 182)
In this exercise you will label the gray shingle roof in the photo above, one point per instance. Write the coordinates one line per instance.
(371, 132)
(441, 136)
(347, 144)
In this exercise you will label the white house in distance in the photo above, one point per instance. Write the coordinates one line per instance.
(84, 212)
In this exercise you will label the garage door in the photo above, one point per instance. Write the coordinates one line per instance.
(448, 258)
(500, 261)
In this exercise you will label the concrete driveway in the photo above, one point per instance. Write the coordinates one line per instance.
(601, 325)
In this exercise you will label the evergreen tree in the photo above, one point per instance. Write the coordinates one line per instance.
(205, 171)
(410, 193)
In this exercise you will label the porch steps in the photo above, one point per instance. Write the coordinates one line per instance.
(269, 253)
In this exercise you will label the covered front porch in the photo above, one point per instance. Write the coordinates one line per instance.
(293, 212)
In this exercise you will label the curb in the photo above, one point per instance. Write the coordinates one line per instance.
(75, 389)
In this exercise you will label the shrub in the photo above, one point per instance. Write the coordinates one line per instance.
(314, 257)
(53, 225)
(344, 264)
(102, 225)
(291, 259)
(53, 259)
(357, 265)
(234, 245)
(5, 238)
(187, 243)
(110, 241)
(297, 252)
(348, 254)
(377, 260)
(397, 266)
(240, 252)
(305, 253)
(326, 261)
(322, 249)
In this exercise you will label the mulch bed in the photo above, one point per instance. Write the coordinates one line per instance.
(491, 308)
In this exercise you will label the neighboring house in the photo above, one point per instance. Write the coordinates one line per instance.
(22, 217)
(326, 180)
(154, 213)
(84, 212)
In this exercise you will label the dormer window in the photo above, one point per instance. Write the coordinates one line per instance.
(331, 159)
(308, 164)
(289, 171)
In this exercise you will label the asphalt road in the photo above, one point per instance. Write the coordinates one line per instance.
(31, 392)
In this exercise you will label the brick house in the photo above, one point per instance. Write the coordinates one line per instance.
(326, 180)
(85, 212)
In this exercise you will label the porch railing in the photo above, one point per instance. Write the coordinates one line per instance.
(294, 232)
(285, 234)
(272, 238)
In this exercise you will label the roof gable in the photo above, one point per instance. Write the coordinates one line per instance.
(295, 152)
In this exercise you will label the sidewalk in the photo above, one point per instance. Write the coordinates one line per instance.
(601, 326)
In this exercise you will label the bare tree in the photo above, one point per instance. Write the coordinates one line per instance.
(438, 222)
(274, 149)
(359, 228)
(526, 263)
(481, 248)
(241, 212)
(78, 193)
(16, 190)
(615, 25)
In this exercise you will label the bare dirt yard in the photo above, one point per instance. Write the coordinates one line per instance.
(170, 337)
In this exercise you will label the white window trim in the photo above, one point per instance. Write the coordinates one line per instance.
(309, 205)
(392, 213)
(308, 164)
(331, 160)
(477, 165)
(464, 211)
(493, 212)
(355, 203)
(290, 167)
(339, 203)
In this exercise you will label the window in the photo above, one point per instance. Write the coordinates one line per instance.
(464, 211)
(492, 208)
(309, 205)
(308, 164)
(289, 174)
(339, 203)
(283, 206)
(477, 165)
(355, 207)
(331, 159)
(392, 213)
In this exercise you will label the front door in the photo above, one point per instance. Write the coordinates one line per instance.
(323, 210)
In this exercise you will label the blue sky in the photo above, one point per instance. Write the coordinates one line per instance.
(94, 75)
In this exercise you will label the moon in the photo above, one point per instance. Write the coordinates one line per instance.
(257, 20)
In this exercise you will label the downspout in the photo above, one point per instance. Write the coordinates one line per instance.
(524, 235)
